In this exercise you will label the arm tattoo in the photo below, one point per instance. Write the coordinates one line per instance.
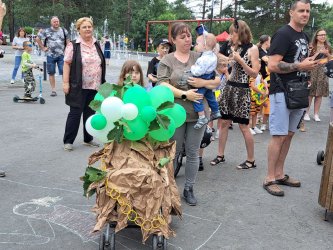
(287, 67)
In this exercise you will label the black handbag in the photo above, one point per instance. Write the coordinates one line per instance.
(296, 92)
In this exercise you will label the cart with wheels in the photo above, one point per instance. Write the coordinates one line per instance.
(326, 186)
(134, 190)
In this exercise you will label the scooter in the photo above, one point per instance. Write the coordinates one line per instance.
(16, 98)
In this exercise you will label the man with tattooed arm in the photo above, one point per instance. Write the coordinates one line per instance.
(289, 59)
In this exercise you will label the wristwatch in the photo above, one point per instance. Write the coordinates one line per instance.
(183, 96)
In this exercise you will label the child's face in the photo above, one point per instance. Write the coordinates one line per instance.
(163, 49)
(222, 69)
(200, 44)
(135, 75)
(28, 47)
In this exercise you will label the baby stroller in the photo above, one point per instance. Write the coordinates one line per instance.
(206, 140)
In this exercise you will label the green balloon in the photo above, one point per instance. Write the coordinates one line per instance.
(138, 96)
(160, 94)
(177, 113)
(99, 97)
(148, 113)
(98, 121)
(162, 134)
(138, 128)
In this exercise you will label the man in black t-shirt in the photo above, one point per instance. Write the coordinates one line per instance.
(289, 59)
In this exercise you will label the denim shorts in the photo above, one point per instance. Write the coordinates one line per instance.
(51, 64)
(281, 119)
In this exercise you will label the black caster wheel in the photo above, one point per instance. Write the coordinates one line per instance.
(179, 163)
(107, 239)
(320, 157)
(159, 242)
(41, 100)
(16, 98)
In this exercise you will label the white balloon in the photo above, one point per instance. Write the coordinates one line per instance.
(111, 108)
(129, 111)
(89, 128)
(102, 134)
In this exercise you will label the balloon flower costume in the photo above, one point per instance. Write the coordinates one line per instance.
(135, 180)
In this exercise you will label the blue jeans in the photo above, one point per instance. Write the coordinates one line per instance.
(16, 67)
(51, 64)
(210, 97)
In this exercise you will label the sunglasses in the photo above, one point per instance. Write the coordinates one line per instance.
(29, 45)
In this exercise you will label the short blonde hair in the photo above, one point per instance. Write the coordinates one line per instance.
(222, 61)
(81, 20)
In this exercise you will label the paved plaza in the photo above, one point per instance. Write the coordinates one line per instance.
(42, 204)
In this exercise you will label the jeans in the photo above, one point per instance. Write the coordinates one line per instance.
(210, 97)
(192, 138)
(16, 67)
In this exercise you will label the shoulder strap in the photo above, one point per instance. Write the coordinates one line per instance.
(65, 38)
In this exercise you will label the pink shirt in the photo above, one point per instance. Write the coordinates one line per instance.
(91, 63)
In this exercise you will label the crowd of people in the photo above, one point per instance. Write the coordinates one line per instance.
(242, 75)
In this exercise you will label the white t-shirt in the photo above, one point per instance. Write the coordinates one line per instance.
(18, 41)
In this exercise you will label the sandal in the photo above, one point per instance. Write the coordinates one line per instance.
(288, 181)
(247, 165)
(218, 159)
(272, 188)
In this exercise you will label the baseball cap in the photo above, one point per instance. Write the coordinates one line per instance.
(200, 29)
(328, 69)
(164, 41)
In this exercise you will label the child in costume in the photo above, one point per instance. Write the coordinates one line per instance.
(258, 95)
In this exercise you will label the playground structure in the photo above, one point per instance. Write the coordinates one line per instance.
(170, 22)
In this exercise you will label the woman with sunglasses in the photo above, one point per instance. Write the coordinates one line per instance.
(235, 100)
(17, 44)
(318, 79)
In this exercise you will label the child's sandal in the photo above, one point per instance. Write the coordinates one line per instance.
(247, 165)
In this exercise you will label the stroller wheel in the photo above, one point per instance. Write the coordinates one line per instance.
(16, 98)
(179, 163)
(320, 157)
(41, 100)
(159, 242)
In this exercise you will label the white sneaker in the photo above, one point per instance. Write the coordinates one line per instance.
(12, 81)
(217, 134)
(316, 118)
(306, 117)
(252, 131)
(263, 127)
(257, 130)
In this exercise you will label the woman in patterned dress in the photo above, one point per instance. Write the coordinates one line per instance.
(318, 79)
(235, 100)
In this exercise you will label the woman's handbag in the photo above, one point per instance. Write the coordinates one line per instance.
(296, 92)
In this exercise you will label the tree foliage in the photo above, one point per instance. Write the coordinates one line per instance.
(130, 16)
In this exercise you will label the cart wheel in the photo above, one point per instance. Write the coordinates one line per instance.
(179, 163)
(41, 100)
(16, 98)
(165, 243)
(155, 242)
(101, 241)
(112, 245)
(320, 157)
